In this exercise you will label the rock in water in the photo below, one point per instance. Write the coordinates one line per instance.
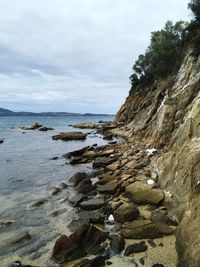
(70, 136)
(34, 126)
(144, 194)
(77, 178)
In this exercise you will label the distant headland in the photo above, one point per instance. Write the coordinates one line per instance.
(7, 112)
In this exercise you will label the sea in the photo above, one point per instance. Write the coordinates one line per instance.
(27, 171)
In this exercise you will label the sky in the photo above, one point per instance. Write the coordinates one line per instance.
(75, 55)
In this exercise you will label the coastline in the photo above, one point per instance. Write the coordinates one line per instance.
(113, 168)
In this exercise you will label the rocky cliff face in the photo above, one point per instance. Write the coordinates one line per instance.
(168, 117)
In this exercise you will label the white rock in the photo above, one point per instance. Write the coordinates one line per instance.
(154, 175)
(111, 218)
(150, 181)
(151, 151)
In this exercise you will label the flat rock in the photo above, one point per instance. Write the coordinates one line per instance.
(113, 167)
(126, 212)
(44, 129)
(144, 194)
(93, 217)
(145, 229)
(75, 200)
(76, 153)
(92, 204)
(68, 136)
(77, 178)
(32, 127)
(109, 188)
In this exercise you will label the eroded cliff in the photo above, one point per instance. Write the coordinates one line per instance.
(167, 116)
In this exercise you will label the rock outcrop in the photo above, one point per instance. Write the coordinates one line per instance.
(167, 117)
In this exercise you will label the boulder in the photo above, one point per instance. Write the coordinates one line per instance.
(65, 249)
(75, 200)
(84, 186)
(145, 229)
(109, 188)
(117, 243)
(86, 239)
(76, 153)
(77, 178)
(102, 162)
(93, 217)
(32, 127)
(126, 212)
(68, 136)
(136, 248)
(144, 194)
(53, 190)
(92, 204)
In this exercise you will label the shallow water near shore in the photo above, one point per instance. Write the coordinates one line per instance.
(26, 172)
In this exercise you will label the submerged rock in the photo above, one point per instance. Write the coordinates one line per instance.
(68, 136)
(19, 238)
(144, 194)
(34, 126)
(44, 129)
(1, 141)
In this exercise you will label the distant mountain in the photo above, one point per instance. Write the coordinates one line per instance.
(7, 112)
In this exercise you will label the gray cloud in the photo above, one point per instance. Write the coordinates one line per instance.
(75, 55)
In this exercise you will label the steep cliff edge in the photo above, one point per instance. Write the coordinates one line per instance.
(167, 115)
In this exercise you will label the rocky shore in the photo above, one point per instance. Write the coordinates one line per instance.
(123, 218)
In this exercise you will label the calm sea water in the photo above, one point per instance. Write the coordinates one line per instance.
(26, 172)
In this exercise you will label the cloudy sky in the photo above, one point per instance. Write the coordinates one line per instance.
(75, 55)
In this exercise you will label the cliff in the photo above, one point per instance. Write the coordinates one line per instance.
(167, 116)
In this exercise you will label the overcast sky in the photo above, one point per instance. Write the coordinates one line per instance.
(75, 55)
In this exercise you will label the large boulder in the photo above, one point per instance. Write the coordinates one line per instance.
(85, 186)
(77, 178)
(68, 136)
(145, 229)
(86, 239)
(126, 212)
(144, 194)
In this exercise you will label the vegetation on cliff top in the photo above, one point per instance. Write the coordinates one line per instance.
(165, 52)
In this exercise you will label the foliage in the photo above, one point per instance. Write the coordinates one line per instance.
(161, 57)
(193, 29)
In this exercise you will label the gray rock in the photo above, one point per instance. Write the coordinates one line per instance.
(77, 178)
(117, 243)
(92, 204)
(136, 248)
(75, 200)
